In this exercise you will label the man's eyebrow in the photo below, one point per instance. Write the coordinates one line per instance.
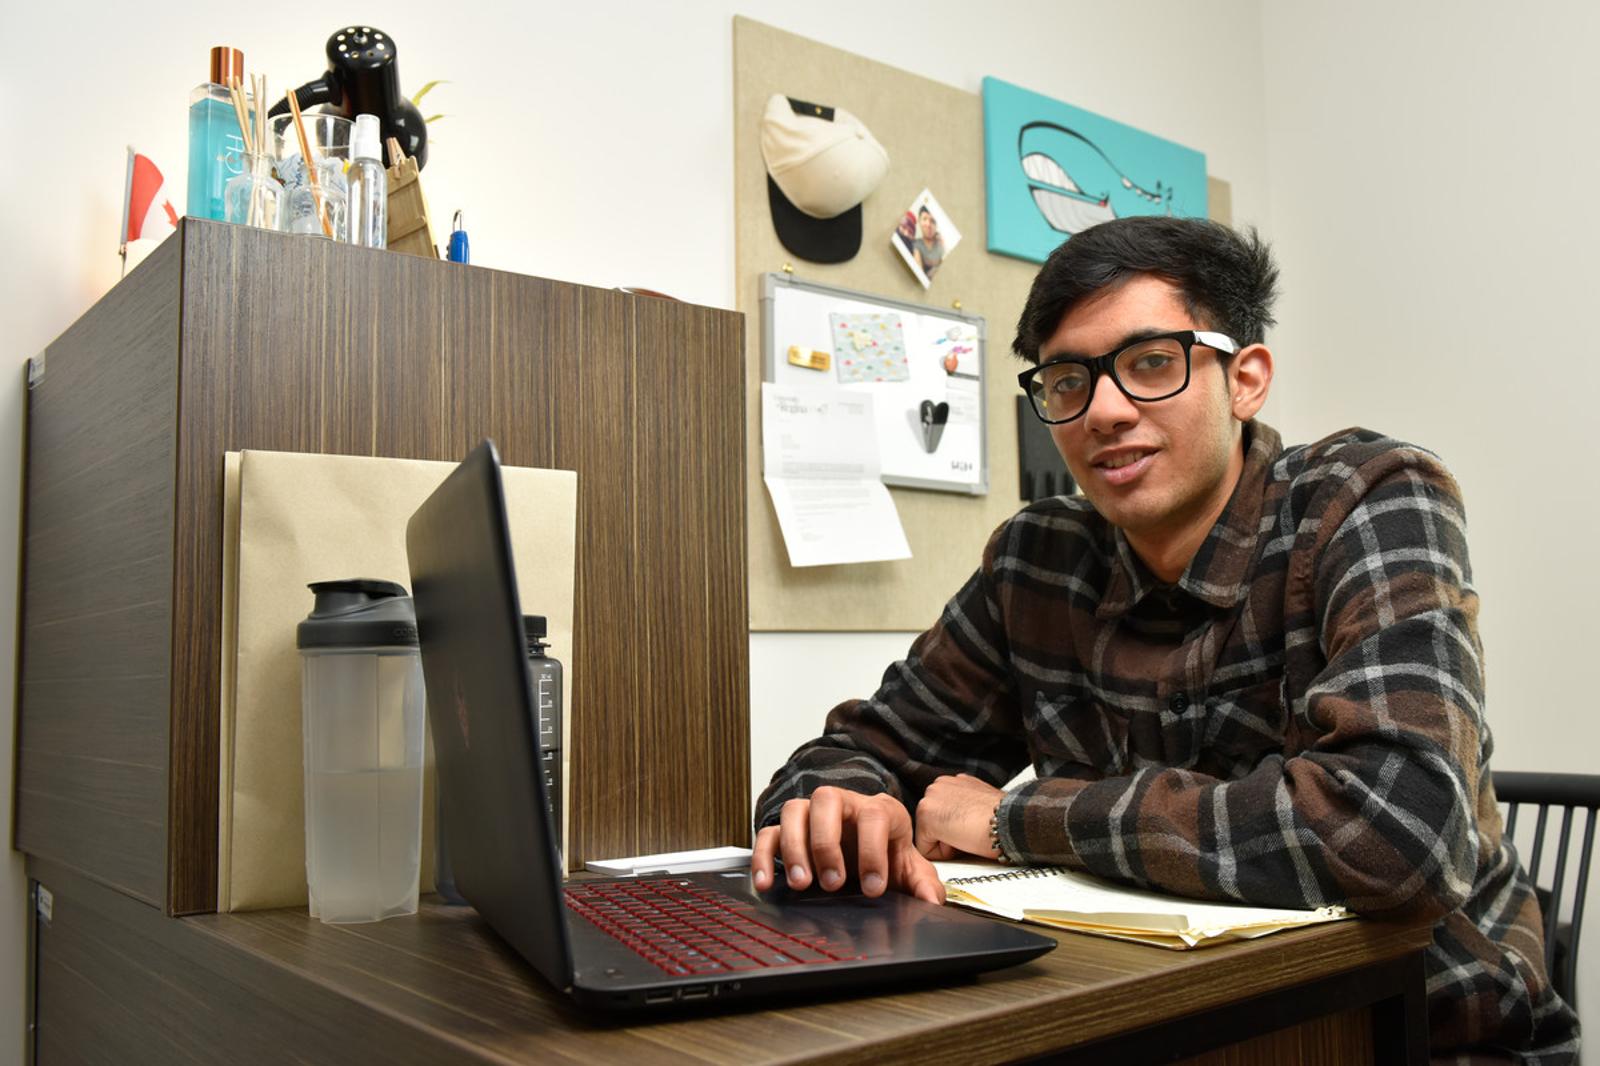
(1131, 338)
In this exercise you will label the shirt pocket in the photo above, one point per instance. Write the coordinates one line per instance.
(1243, 726)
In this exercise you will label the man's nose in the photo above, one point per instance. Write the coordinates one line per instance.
(1110, 410)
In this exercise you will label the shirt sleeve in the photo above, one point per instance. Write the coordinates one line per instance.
(1371, 804)
(948, 707)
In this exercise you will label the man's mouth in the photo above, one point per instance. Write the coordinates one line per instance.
(1121, 467)
(1116, 462)
(1124, 458)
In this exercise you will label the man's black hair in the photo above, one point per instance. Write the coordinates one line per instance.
(1228, 279)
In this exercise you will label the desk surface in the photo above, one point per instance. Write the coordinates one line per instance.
(443, 974)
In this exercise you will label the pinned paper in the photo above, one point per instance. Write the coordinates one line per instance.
(820, 462)
(869, 347)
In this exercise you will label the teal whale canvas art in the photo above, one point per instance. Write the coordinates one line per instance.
(1052, 170)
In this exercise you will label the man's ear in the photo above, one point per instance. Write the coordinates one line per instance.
(1249, 380)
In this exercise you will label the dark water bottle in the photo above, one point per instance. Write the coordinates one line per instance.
(544, 683)
(544, 677)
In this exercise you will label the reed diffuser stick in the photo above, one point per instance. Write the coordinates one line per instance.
(311, 164)
(258, 207)
(236, 91)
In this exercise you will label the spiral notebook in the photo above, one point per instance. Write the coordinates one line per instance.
(1064, 899)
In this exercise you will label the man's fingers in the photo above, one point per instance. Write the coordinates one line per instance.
(881, 823)
(920, 879)
(827, 825)
(793, 829)
(766, 846)
(811, 837)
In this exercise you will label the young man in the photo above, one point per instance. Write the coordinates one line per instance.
(1239, 671)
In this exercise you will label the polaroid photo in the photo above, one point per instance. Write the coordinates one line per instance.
(924, 236)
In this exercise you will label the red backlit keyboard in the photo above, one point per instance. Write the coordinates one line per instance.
(686, 929)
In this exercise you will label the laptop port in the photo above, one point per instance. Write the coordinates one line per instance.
(664, 996)
(695, 992)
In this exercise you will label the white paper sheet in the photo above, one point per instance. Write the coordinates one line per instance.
(727, 857)
(820, 462)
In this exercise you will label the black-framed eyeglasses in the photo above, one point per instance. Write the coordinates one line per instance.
(1147, 370)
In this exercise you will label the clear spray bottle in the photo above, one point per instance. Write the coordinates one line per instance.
(369, 187)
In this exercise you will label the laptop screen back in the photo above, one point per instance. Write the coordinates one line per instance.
(492, 802)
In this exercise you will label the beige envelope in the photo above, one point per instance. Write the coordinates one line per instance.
(291, 519)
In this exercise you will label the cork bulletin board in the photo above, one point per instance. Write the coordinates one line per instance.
(934, 136)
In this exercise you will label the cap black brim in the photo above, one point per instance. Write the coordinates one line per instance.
(816, 240)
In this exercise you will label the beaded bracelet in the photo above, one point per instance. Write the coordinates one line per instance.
(994, 836)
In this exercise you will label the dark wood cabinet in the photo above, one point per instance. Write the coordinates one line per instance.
(229, 338)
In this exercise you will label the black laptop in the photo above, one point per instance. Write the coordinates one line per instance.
(630, 943)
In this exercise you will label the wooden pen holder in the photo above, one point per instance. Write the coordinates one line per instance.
(409, 230)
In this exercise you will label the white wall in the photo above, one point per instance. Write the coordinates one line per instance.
(1426, 171)
(1432, 176)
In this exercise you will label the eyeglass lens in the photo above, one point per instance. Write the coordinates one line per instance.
(1148, 370)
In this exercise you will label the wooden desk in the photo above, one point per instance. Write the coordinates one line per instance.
(129, 983)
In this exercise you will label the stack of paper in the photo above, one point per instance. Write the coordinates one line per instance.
(1050, 895)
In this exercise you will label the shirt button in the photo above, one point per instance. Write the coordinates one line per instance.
(1179, 702)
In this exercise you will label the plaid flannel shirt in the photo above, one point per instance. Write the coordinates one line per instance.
(1297, 721)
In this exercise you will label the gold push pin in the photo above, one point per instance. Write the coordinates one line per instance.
(788, 268)
(956, 304)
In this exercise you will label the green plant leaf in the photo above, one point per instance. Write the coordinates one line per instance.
(426, 89)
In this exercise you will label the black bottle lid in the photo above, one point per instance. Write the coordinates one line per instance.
(359, 613)
(534, 627)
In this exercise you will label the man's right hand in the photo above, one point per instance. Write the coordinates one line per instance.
(836, 828)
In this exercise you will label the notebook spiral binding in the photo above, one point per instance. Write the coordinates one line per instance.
(1009, 875)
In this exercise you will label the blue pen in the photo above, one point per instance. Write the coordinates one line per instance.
(458, 252)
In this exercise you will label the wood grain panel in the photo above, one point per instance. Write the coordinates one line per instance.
(214, 299)
(685, 537)
(118, 983)
(420, 359)
(302, 345)
(1339, 1038)
(96, 570)
(726, 563)
(416, 304)
(124, 715)
(276, 985)
(610, 771)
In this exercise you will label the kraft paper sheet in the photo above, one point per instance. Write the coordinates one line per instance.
(291, 519)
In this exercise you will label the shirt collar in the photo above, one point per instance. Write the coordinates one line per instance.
(1219, 573)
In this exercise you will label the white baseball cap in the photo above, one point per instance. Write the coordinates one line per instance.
(821, 164)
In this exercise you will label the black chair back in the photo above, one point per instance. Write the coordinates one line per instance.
(1545, 793)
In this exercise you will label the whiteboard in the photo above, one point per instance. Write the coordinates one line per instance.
(910, 357)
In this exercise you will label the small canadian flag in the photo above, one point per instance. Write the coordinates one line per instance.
(146, 210)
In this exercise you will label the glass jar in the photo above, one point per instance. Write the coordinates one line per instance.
(305, 207)
(255, 197)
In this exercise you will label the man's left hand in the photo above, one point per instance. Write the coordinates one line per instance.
(953, 818)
